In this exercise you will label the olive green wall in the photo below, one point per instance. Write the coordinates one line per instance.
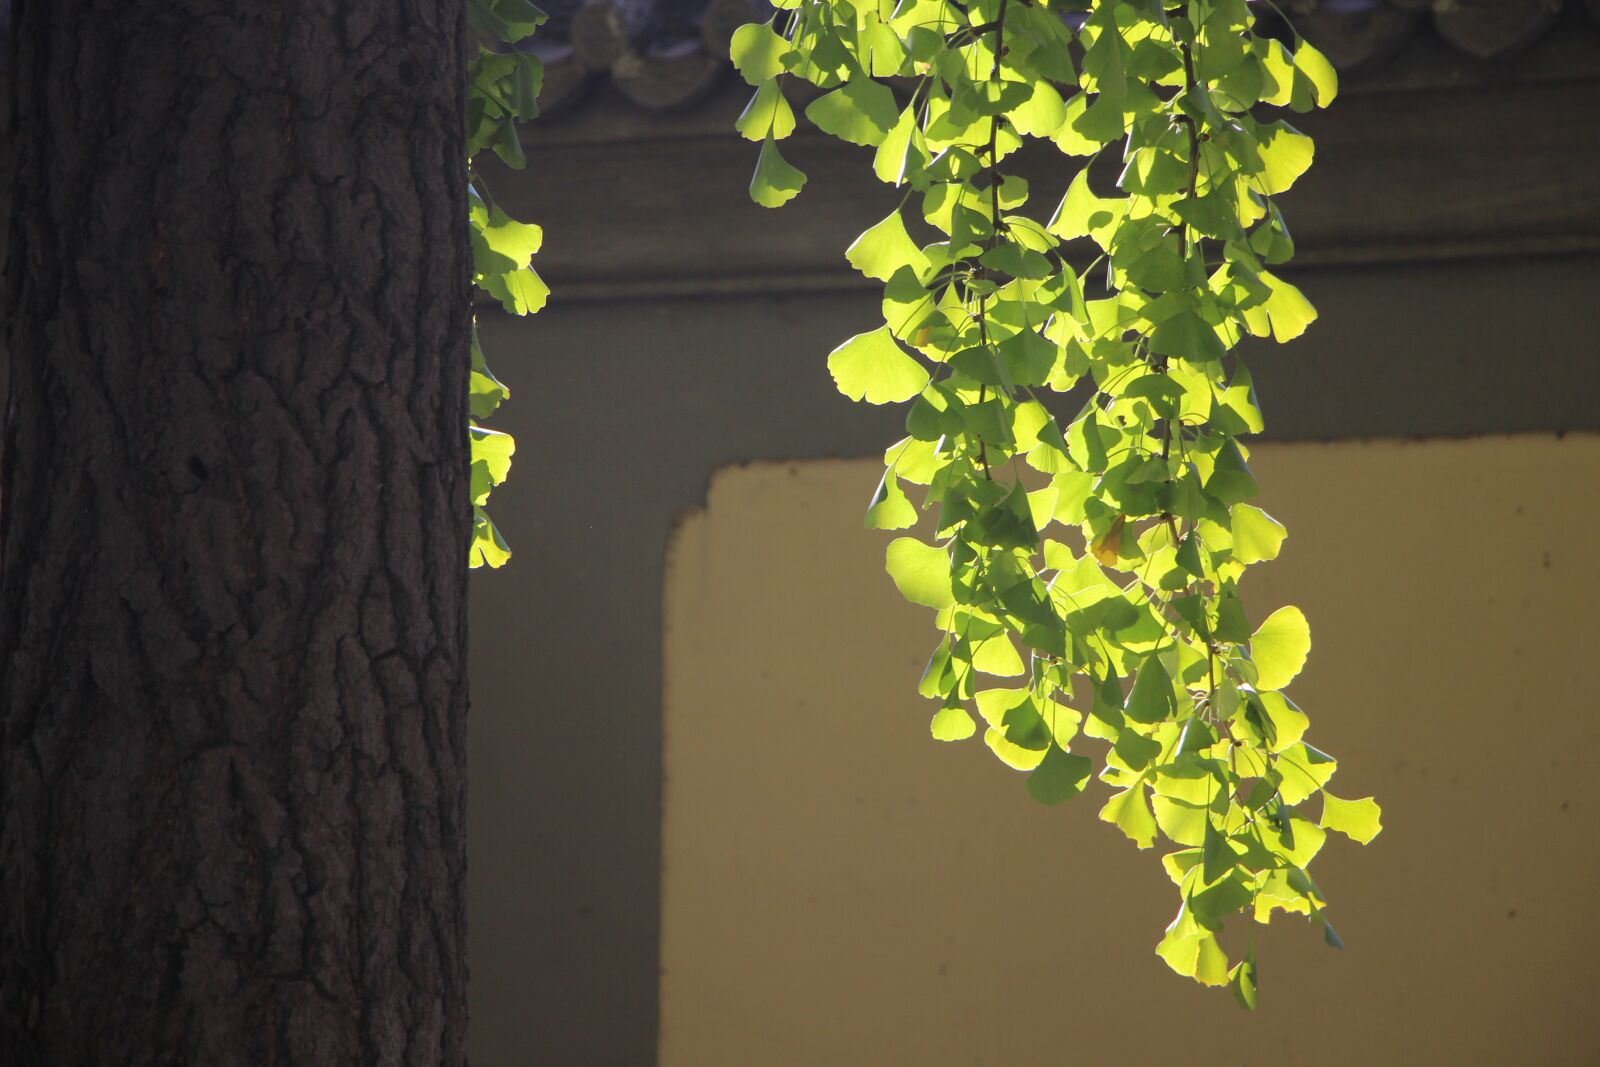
(623, 409)
(840, 889)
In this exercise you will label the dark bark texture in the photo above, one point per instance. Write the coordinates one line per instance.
(233, 537)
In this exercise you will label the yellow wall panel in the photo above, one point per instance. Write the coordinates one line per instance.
(841, 890)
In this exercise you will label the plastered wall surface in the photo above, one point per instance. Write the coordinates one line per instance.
(839, 889)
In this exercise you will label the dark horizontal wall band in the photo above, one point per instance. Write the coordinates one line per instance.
(622, 412)
(1483, 171)
(848, 281)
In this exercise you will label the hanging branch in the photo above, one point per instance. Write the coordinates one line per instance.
(1117, 574)
(503, 81)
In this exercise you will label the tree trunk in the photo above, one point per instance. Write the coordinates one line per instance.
(234, 534)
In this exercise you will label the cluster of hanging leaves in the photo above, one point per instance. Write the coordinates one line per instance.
(502, 90)
(1109, 547)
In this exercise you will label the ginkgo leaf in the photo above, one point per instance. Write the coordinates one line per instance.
(884, 249)
(952, 723)
(520, 292)
(1060, 776)
(1151, 699)
(873, 367)
(1304, 770)
(861, 111)
(1287, 309)
(1313, 69)
(492, 448)
(515, 240)
(1242, 979)
(1084, 214)
(1359, 820)
(900, 149)
(766, 115)
(1257, 536)
(775, 182)
(1017, 757)
(1279, 647)
(921, 572)
(1285, 155)
(1130, 812)
(757, 52)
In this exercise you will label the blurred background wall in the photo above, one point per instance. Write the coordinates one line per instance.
(708, 826)
(839, 889)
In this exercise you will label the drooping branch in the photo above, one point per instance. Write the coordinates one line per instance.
(1141, 581)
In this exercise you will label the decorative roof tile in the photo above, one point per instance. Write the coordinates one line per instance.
(668, 54)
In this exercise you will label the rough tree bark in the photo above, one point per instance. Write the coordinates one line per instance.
(234, 534)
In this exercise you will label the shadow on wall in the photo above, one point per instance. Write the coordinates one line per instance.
(839, 889)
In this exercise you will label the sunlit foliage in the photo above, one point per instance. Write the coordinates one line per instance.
(502, 91)
(1085, 572)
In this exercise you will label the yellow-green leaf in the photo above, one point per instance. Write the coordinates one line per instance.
(952, 723)
(890, 508)
(775, 182)
(767, 114)
(884, 249)
(873, 367)
(757, 52)
(1257, 536)
(1359, 820)
(1130, 812)
(1315, 68)
(1279, 647)
(921, 572)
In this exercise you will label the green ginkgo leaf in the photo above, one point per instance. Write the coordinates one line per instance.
(1279, 647)
(1286, 154)
(1316, 82)
(1286, 723)
(775, 182)
(1242, 979)
(488, 548)
(1060, 776)
(1287, 309)
(757, 52)
(1359, 820)
(1151, 699)
(921, 572)
(1303, 770)
(1231, 481)
(952, 723)
(1017, 757)
(890, 509)
(884, 249)
(1084, 214)
(1257, 536)
(1042, 114)
(900, 152)
(873, 367)
(766, 115)
(860, 111)
(515, 240)
(521, 292)
(1129, 811)
(494, 448)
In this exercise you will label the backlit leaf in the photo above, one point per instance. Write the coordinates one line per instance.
(1130, 812)
(873, 367)
(775, 182)
(921, 572)
(1279, 647)
(1359, 820)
